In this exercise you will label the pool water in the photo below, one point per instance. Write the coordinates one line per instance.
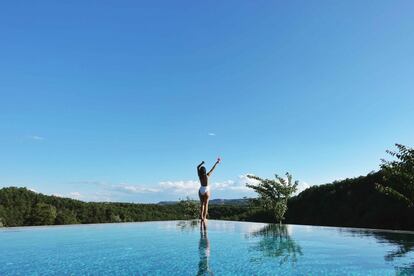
(224, 248)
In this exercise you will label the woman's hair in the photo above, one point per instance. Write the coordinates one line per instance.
(202, 171)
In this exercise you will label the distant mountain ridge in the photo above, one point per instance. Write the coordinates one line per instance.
(217, 201)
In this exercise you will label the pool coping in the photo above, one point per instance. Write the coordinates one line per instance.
(230, 221)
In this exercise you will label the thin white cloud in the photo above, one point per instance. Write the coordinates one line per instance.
(211, 134)
(186, 187)
(87, 182)
(98, 197)
(95, 196)
(134, 189)
(75, 195)
(36, 138)
(235, 185)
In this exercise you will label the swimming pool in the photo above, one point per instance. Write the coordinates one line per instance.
(225, 248)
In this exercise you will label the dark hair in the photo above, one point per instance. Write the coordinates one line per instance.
(202, 171)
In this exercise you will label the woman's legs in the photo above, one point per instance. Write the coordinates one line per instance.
(205, 203)
(201, 205)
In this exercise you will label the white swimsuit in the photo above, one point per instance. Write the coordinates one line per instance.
(204, 189)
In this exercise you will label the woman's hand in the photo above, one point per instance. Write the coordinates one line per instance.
(218, 160)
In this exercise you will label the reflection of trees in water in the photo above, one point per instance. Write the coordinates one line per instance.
(406, 270)
(404, 243)
(187, 225)
(275, 242)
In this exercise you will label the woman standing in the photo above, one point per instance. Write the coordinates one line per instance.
(204, 191)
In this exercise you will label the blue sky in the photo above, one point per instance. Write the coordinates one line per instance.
(104, 100)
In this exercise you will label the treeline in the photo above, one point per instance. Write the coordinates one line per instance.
(352, 202)
(384, 199)
(22, 207)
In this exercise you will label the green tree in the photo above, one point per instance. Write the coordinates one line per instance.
(190, 208)
(2, 215)
(43, 214)
(399, 175)
(66, 217)
(274, 193)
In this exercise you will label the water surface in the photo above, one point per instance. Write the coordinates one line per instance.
(225, 248)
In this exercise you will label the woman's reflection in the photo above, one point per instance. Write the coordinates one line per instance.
(204, 251)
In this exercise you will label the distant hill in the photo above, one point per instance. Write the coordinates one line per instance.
(22, 207)
(242, 201)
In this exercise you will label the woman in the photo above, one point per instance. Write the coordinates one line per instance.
(204, 191)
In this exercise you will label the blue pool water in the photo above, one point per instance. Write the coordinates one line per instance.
(225, 248)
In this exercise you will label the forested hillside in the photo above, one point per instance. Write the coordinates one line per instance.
(22, 207)
(352, 202)
(19, 206)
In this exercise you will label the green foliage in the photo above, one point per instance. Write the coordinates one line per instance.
(353, 202)
(66, 216)
(19, 207)
(399, 175)
(43, 214)
(190, 208)
(2, 214)
(274, 193)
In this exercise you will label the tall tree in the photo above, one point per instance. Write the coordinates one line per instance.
(399, 175)
(274, 193)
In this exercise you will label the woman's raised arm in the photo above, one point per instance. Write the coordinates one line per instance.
(201, 164)
(212, 169)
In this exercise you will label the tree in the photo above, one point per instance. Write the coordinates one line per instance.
(66, 217)
(43, 214)
(2, 213)
(274, 193)
(190, 208)
(399, 175)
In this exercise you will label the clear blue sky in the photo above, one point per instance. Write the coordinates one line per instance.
(119, 100)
